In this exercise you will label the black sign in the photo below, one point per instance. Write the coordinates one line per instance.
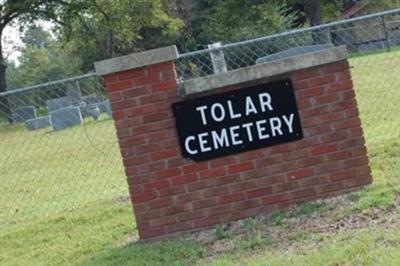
(233, 122)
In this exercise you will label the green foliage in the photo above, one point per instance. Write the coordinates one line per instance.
(221, 232)
(42, 59)
(228, 22)
(111, 28)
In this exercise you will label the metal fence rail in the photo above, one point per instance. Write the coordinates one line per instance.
(73, 160)
(58, 149)
(365, 34)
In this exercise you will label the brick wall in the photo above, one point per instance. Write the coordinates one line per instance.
(171, 194)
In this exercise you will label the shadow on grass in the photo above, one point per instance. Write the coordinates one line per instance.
(159, 253)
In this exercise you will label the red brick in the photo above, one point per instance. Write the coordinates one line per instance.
(153, 232)
(143, 197)
(343, 75)
(147, 148)
(232, 197)
(132, 161)
(275, 198)
(123, 105)
(328, 98)
(358, 181)
(132, 73)
(314, 111)
(240, 167)
(206, 222)
(205, 203)
(184, 179)
(306, 74)
(219, 210)
(159, 203)
(301, 173)
(311, 92)
(259, 192)
(194, 167)
(335, 67)
(321, 80)
(120, 85)
(147, 80)
(166, 66)
(341, 85)
(168, 75)
(324, 148)
(168, 173)
(349, 123)
(151, 118)
(164, 85)
(111, 78)
(303, 193)
(344, 174)
(160, 184)
(118, 115)
(165, 154)
(135, 92)
(115, 96)
(153, 98)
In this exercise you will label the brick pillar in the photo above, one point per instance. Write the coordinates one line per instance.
(172, 194)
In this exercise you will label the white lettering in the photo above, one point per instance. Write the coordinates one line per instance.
(250, 107)
(248, 126)
(275, 124)
(265, 101)
(203, 142)
(231, 112)
(261, 129)
(202, 112)
(289, 122)
(187, 145)
(221, 111)
(220, 140)
(235, 135)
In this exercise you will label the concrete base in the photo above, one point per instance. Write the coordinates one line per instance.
(66, 117)
(38, 123)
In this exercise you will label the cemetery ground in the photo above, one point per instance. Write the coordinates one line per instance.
(357, 229)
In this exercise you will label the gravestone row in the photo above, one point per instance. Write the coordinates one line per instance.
(63, 113)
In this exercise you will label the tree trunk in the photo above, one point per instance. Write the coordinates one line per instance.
(5, 111)
(313, 11)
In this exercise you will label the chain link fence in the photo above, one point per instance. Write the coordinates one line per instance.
(58, 147)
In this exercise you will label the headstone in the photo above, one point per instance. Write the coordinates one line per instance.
(24, 113)
(293, 52)
(93, 99)
(65, 117)
(38, 123)
(58, 103)
(74, 93)
(105, 107)
(93, 110)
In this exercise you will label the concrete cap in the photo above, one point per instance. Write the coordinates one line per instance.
(264, 70)
(136, 60)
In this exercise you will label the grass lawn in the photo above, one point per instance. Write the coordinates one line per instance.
(76, 176)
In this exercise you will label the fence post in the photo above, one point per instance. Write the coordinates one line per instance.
(218, 58)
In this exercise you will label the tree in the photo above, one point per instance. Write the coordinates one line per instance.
(111, 28)
(28, 11)
(42, 59)
(233, 20)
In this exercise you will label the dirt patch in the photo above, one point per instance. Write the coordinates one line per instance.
(334, 219)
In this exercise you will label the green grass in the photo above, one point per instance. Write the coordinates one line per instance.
(80, 169)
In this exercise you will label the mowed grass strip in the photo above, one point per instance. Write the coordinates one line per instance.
(103, 232)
